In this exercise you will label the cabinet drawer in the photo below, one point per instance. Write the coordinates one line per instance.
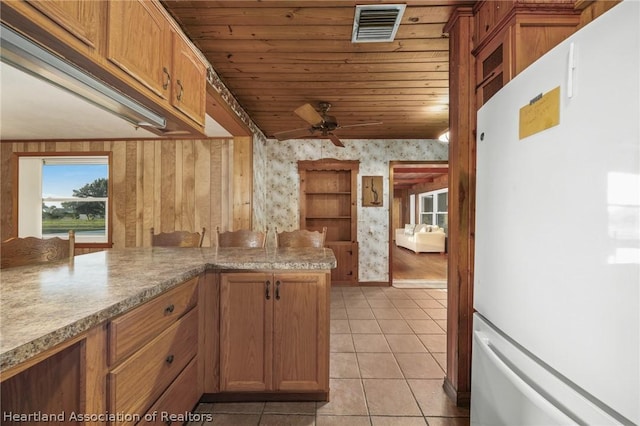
(140, 380)
(179, 398)
(130, 331)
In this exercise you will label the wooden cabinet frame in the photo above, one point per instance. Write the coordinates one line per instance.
(274, 333)
(96, 37)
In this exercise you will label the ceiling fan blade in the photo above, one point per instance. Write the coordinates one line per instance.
(309, 114)
(293, 134)
(336, 141)
(373, 123)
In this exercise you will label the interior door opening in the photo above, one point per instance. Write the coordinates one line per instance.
(418, 222)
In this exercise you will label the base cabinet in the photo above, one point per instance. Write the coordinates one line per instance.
(157, 340)
(237, 334)
(51, 387)
(346, 253)
(179, 398)
(274, 332)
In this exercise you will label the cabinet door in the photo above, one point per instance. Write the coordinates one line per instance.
(138, 40)
(494, 66)
(301, 332)
(189, 81)
(485, 20)
(246, 320)
(79, 18)
(53, 385)
(346, 253)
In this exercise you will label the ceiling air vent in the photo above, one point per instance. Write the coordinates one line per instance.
(376, 23)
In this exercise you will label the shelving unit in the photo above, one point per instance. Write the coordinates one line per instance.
(328, 198)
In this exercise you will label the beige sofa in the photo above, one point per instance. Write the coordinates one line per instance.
(421, 238)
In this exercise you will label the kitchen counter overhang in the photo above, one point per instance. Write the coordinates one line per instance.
(42, 306)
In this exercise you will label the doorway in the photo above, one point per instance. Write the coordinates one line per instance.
(418, 196)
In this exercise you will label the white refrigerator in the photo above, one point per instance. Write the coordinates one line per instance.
(557, 246)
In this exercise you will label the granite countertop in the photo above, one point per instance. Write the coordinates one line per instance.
(44, 305)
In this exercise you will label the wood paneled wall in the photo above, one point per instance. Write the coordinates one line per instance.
(166, 184)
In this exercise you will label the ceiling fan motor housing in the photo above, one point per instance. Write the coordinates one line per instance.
(329, 122)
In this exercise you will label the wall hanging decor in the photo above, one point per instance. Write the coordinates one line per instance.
(372, 191)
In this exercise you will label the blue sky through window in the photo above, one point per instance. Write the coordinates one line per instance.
(59, 180)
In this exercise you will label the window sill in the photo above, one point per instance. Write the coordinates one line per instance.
(94, 245)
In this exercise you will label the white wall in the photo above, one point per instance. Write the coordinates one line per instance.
(30, 197)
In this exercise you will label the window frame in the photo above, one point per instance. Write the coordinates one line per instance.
(109, 213)
(436, 212)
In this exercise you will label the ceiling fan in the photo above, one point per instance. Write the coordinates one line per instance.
(320, 121)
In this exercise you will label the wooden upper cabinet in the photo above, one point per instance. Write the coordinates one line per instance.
(489, 14)
(134, 46)
(511, 35)
(138, 42)
(79, 18)
(493, 69)
(189, 89)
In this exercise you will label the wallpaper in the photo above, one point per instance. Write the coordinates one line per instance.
(259, 218)
(281, 187)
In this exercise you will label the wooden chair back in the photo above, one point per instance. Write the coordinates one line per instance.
(301, 238)
(31, 250)
(240, 238)
(177, 239)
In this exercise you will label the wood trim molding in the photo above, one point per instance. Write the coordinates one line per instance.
(462, 152)
(230, 101)
(461, 399)
(222, 113)
(14, 184)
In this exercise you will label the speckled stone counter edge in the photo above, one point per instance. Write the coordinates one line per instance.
(212, 259)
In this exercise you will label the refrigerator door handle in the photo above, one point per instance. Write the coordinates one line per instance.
(519, 381)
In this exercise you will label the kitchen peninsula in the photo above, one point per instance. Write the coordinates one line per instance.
(144, 330)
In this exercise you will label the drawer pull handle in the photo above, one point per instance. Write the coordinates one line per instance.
(169, 359)
(278, 290)
(169, 309)
(487, 78)
(267, 295)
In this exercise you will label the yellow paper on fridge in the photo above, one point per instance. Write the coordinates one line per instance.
(543, 112)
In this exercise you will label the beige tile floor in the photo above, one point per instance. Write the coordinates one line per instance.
(388, 355)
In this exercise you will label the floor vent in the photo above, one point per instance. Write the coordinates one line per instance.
(376, 23)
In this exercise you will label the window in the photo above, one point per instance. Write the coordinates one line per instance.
(59, 193)
(434, 208)
(426, 209)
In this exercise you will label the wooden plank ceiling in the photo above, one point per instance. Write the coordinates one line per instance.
(275, 56)
(407, 176)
